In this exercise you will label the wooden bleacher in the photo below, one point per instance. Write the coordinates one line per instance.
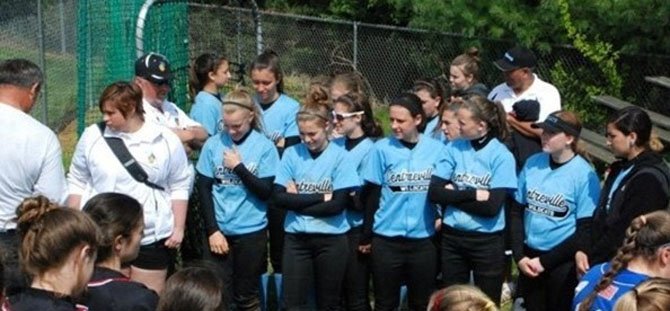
(596, 145)
(659, 81)
(661, 122)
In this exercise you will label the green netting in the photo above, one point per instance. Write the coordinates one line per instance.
(107, 48)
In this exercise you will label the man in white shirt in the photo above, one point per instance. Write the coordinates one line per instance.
(521, 83)
(31, 156)
(153, 75)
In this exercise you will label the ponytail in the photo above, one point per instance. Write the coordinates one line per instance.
(200, 69)
(492, 113)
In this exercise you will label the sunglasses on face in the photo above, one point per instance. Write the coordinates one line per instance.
(341, 116)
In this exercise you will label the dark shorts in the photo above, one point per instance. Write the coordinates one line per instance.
(154, 256)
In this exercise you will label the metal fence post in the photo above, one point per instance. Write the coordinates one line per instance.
(355, 48)
(43, 63)
(61, 10)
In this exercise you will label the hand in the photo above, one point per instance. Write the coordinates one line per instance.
(327, 197)
(483, 195)
(365, 248)
(449, 187)
(280, 142)
(291, 188)
(188, 149)
(218, 243)
(525, 267)
(536, 265)
(231, 158)
(582, 263)
(438, 225)
(174, 241)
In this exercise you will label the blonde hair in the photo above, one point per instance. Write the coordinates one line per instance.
(650, 295)
(241, 99)
(316, 106)
(461, 298)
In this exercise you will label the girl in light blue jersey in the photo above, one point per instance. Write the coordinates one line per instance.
(472, 186)
(398, 212)
(433, 94)
(355, 123)
(236, 170)
(209, 74)
(557, 194)
(278, 113)
(645, 253)
(314, 182)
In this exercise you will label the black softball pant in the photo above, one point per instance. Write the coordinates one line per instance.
(314, 263)
(481, 253)
(551, 290)
(398, 261)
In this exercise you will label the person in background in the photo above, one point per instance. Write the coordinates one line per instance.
(464, 75)
(650, 295)
(344, 83)
(461, 298)
(433, 94)
(209, 73)
(193, 288)
(636, 184)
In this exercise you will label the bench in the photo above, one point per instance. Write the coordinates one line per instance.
(659, 80)
(596, 145)
(661, 122)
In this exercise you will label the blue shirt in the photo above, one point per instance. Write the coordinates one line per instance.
(491, 167)
(237, 210)
(325, 174)
(555, 199)
(358, 156)
(280, 119)
(206, 110)
(623, 282)
(404, 176)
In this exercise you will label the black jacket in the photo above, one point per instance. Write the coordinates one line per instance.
(111, 291)
(638, 193)
(33, 299)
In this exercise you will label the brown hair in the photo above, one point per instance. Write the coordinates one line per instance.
(317, 108)
(644, 236)
(125, 96)
(356, 101)
(241, 99)
(461, 298)
(492, 113)
(50, 233)
(269, 60)
(200, 69)
(469, 63)
(572, 119)
(192, 288)
(351, 81)
(116, 214)
(436, 87)
(650, 295)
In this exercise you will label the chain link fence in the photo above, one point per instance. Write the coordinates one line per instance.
(44, 33)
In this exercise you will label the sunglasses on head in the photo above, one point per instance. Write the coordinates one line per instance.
(342, 116)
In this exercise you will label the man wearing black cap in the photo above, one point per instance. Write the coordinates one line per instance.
(153, 75)
(521, 83)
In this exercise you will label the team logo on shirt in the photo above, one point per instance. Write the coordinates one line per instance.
(324, 186)
(471, 180)
(227, 177)
(409, 181)
(544, 204)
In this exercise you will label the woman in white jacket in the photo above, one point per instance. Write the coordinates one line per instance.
(159, 152)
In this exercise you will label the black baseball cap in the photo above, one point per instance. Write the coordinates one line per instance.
(527, 110)
(555, 124)
(517, 57)
(153, 67)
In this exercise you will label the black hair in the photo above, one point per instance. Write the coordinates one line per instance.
(269, 60)
(20, 72)
(412, 103)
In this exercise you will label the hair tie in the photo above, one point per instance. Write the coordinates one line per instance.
(238, 104)
(489, 305)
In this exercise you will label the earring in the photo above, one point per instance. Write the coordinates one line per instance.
(630, 144)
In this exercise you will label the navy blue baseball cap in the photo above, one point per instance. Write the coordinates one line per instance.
(153, 67)
(515, 58)
(555, 124)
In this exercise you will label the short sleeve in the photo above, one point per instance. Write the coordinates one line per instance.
(503, 171)
(285, 170)
(203, 166)
(345, 175)
(374, 169)
(269, 162)
(588, 195)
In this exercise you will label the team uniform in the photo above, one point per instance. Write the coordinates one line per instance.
(110, 290)
(554, 200)
(546, 94)
(472, 231)
(315, 240)
(279, 121)
(357, 279)
(31, 299)
(158, 151)
(404, 219)
(431, 125)
(238, 209)
(622, 283)
(206, 110)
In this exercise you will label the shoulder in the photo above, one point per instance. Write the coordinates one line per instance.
(287, 100)
(545, 87)
(499, 92)
(261, 140)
